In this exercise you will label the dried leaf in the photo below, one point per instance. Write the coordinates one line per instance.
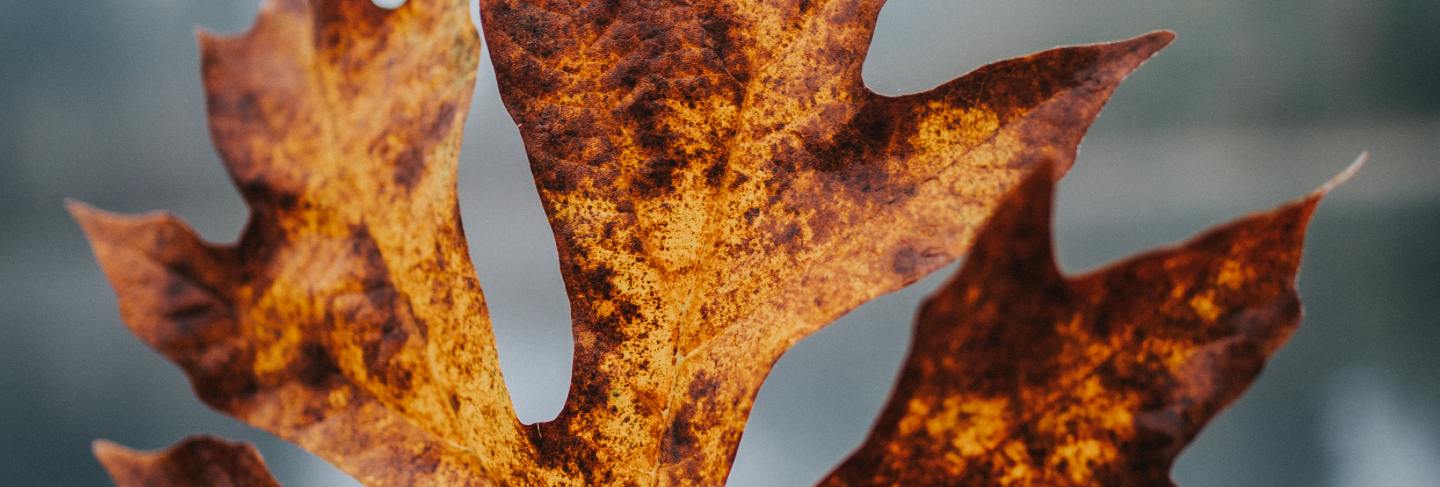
(348, 318)
(199, 461)
(1018, 375)
(720, 182)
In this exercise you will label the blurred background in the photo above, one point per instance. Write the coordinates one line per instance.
(1255, 104)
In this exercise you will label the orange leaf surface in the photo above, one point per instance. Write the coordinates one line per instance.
(1021, 376)
(720, 182)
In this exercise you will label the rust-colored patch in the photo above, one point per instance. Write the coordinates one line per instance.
(720, 183)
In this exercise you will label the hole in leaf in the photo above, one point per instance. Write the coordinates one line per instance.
(513, 249)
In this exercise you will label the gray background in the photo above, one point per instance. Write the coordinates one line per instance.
(1256, 103)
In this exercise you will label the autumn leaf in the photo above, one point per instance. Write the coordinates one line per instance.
(1021, 376)
(348, 318)
(197, 461)
(720, 182)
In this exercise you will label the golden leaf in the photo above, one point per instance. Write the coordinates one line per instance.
(720, 182)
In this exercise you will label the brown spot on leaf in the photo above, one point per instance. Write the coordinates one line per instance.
(409, 167)
(904, 262)
(315, 367)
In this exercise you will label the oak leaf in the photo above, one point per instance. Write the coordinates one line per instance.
(1021, 376)
(719, 180)
(721, 184)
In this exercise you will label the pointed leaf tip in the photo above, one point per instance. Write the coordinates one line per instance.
(1344, 175)
(1153, 41)
(84, 214)
(1135, 51)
